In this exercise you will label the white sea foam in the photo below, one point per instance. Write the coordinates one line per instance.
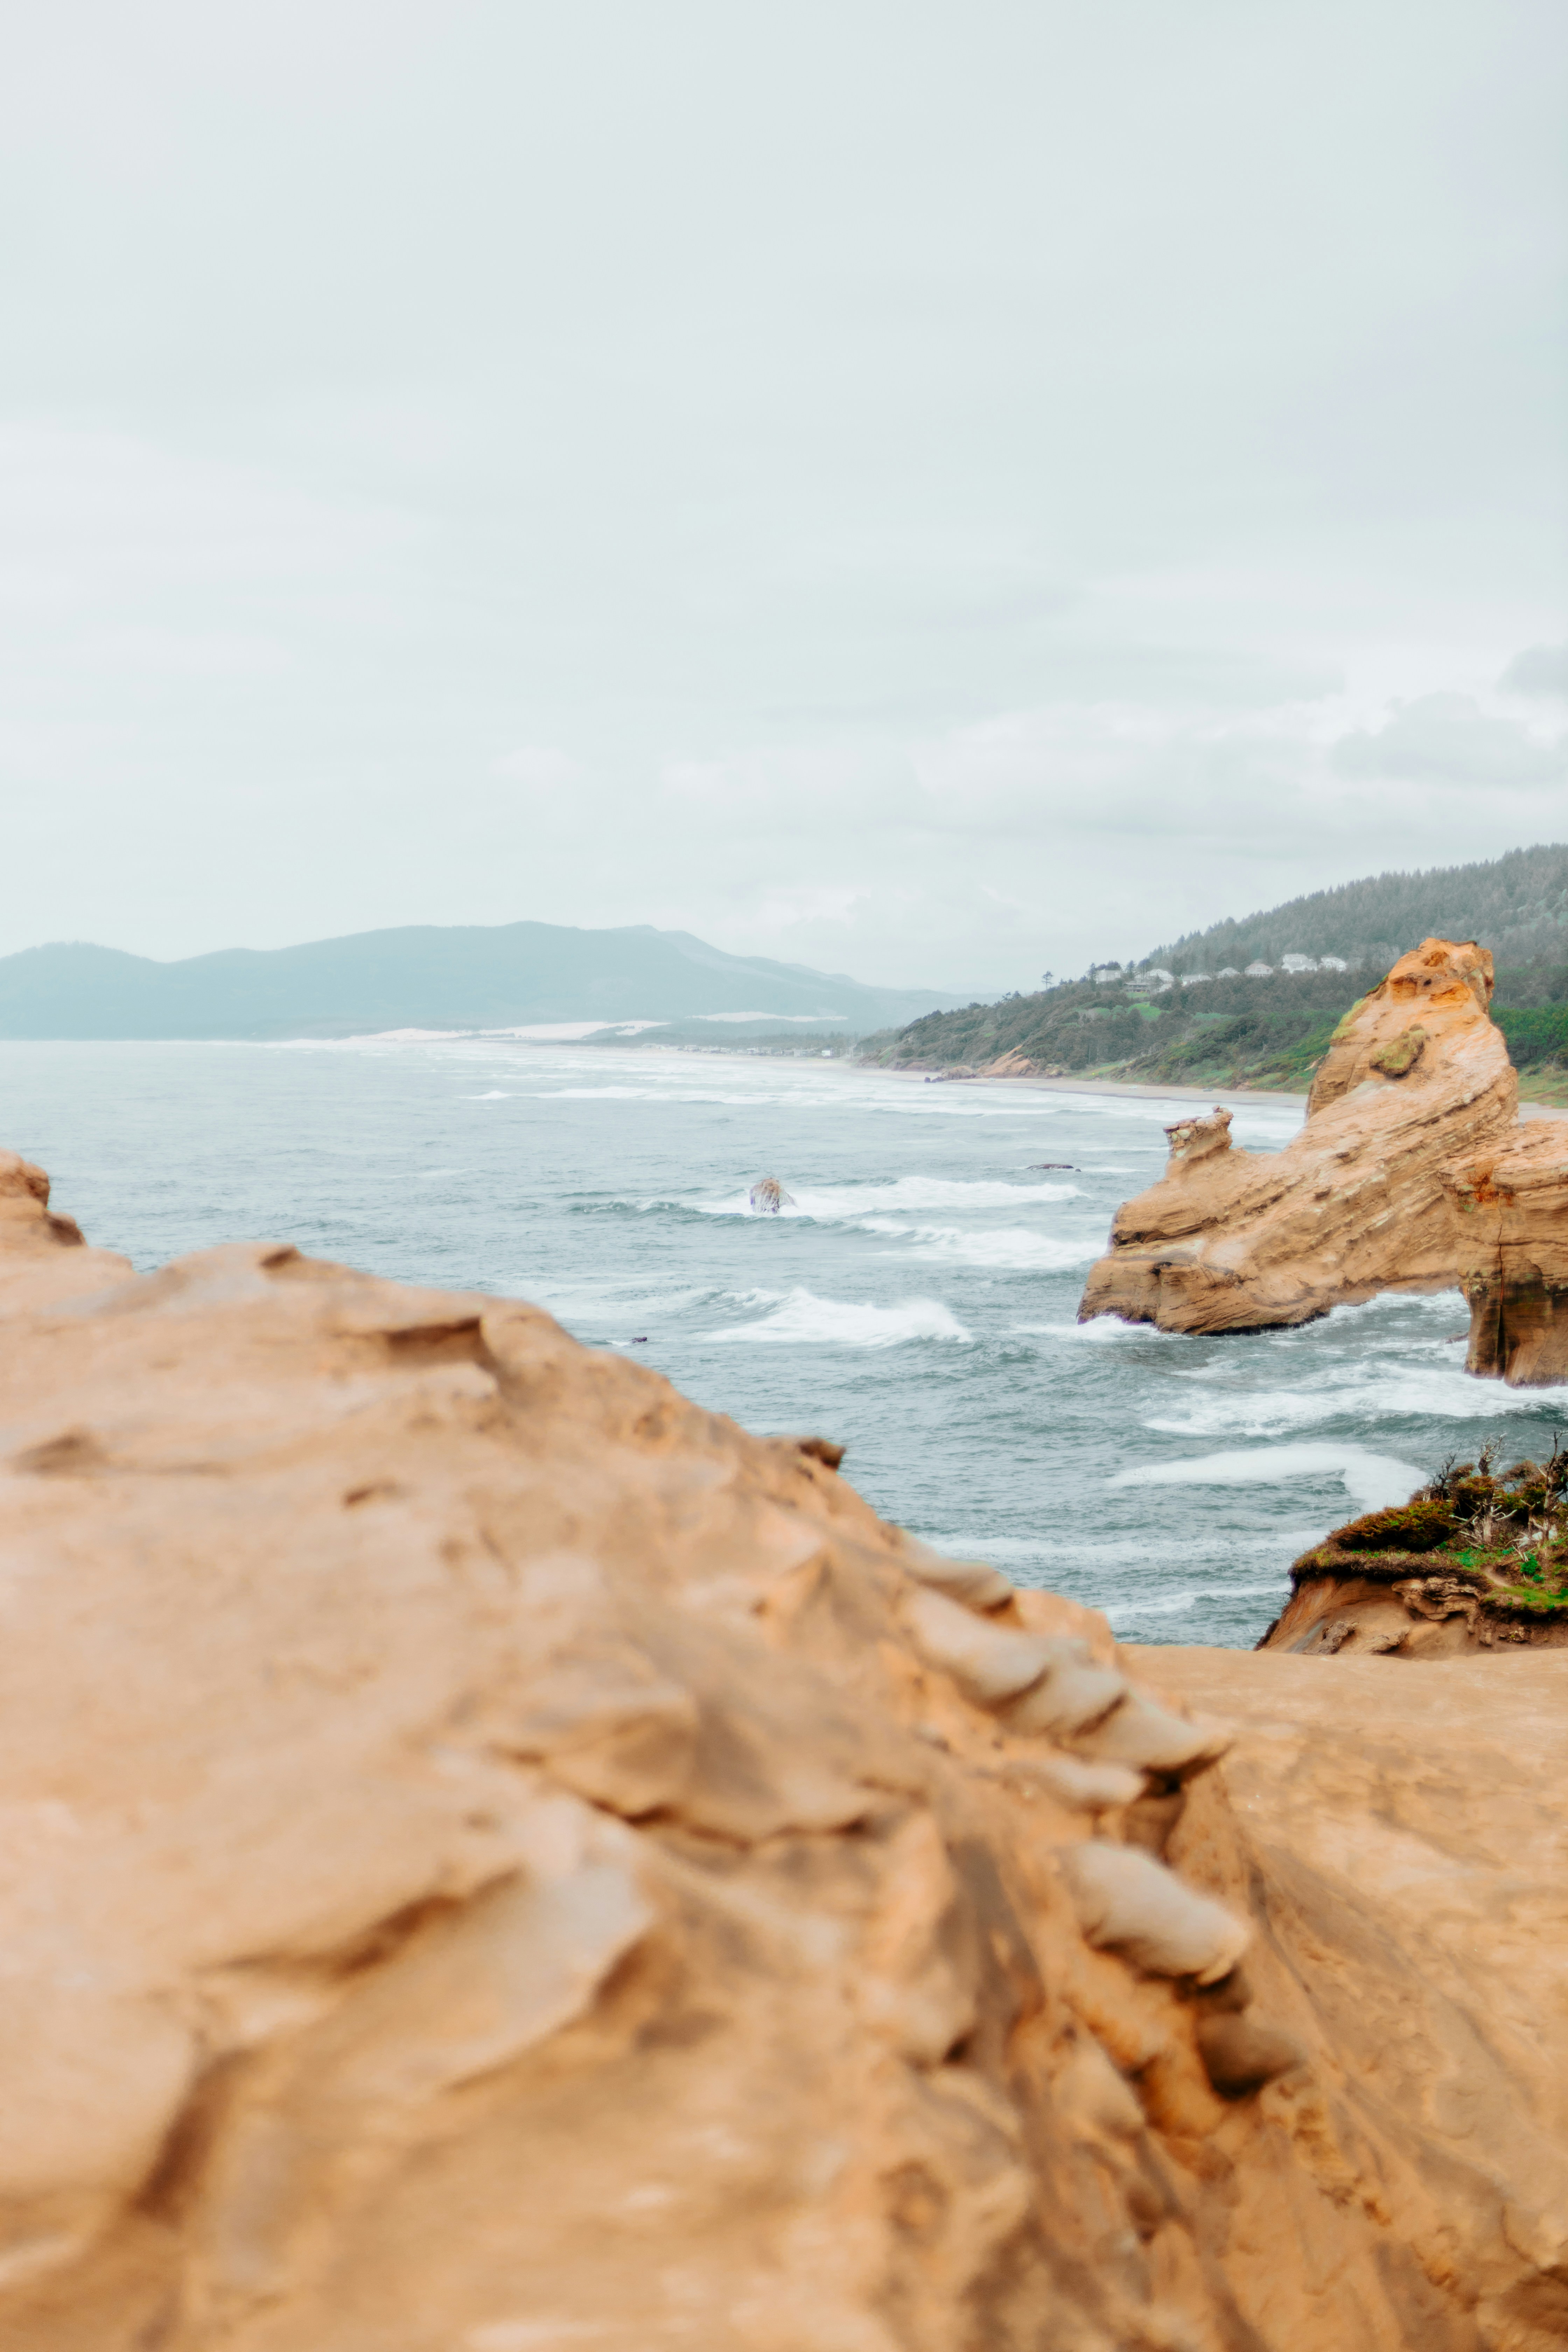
(1420, 1391)
(496, 1093)
(1103, 1329)
(1374, 1480)
(1006, 1247)
(801, 1319)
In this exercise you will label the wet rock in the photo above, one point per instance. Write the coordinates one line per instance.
(767, 1197)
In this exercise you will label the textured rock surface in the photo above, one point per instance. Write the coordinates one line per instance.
(1508, 1205)
(1417, 1075)
(1403, 1841)
(495, 1859)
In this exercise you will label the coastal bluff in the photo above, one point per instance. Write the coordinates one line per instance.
(499, 1859)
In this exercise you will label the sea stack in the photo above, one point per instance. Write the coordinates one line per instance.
(1416, 1076)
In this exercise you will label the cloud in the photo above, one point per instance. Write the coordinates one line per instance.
(1539, 669)
(1448, 739)
(615, 465)
(537, 766)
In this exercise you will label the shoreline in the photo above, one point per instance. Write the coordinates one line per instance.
(1218, 1096)
(1133, 1087)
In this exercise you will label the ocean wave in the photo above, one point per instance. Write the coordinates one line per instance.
(803, 1319)
(1202, 1554)
(1375, 1481)
(1176, 1604)
(839, 1203)
(1104, 1328)
(1004, 1246)
(1421, 1392)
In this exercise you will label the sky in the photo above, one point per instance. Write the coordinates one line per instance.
(941, 492)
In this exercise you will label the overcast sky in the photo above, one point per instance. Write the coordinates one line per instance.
(938, 491)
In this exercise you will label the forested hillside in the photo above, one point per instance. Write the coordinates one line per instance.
(1272, 1030)
(1241, 1032)
(1516, 905)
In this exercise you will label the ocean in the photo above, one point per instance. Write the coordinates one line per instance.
(916, 1302)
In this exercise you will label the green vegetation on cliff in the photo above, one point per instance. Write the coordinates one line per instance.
(1268, 1033)
(1502, 1535)
(1272, 1030)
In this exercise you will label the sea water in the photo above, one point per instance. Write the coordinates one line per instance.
(916, 1302)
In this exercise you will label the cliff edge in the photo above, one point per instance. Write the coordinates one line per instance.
(496, 1859)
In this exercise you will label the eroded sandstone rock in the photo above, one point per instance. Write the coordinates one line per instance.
(1401, 1840)
(1508, 1205)
(495, 1859)
(1417, 1075)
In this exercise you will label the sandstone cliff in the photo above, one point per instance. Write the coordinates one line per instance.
(1416, 1076)
(498, 1860)
(1509, 1209)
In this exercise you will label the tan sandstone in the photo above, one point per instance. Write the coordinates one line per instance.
(1508, 1207)
(496, 1859)
(1417, 1076)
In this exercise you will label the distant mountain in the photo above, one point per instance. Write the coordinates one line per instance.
(511, 975)
(1516, 905)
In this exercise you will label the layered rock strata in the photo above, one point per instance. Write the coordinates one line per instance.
(496, 1859)
(1509, 1208)
(1417, 1076)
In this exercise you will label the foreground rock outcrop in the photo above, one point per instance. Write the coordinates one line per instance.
(496, 1859)
(1509, 1209)
(1402, 1840)
(1417, 1076)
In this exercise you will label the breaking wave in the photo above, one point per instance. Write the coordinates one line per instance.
(1415, 1393)
(803, 1319)
(1375, 1481)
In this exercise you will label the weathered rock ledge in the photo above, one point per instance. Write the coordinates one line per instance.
(496, 1858)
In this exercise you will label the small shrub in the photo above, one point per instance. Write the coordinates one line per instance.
(1415, 1526)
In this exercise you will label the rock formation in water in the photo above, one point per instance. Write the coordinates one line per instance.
(496, 1859)
(1477, 1559)
(768, 1196)
(1508, 1207)
(1416, 1076)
